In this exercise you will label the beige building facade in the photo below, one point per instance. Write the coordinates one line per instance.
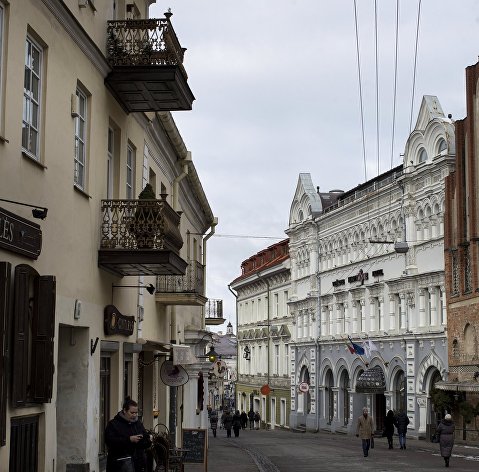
(86, 93)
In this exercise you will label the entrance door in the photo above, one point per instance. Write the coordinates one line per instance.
(380, 411)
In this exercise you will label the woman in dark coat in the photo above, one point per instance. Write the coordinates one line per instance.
(236, 423)
(445, 433)
(214, 422)
(244, 419)
(228, 423)
(126, 439)
(389, 427)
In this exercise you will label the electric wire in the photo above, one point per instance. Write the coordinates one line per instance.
(360, 87)
(415, 64)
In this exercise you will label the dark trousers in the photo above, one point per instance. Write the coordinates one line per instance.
(390, 441)
(402, 440)
(236, 430)
(228, 432)
(366, 445)
(251, 424)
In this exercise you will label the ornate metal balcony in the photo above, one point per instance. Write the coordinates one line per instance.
(140, 237)
(147, 66)
(185, 289)
(214, 312)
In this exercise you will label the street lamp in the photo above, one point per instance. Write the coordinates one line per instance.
(37, 212)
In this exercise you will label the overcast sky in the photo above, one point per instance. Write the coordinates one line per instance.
(277, 94)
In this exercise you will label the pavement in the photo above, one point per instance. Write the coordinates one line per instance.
(282, 450)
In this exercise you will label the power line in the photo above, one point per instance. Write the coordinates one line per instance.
(415, 64)
(247, 236)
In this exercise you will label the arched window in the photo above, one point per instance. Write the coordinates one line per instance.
(422, 156)
(300, 215)
(442, 146)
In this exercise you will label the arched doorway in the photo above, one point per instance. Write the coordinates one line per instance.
(329, 400)
(344, 397)
(304, 398)
(399, 391)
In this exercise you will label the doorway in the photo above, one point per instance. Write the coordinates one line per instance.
(380, 410)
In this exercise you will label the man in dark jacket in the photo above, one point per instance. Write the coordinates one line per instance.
(228, 423)
(251, 419)
(127, 440)
(401, 423)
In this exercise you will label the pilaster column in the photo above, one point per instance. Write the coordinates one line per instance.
(433, 307)
(339, 318)
(363, 327)
(402, 297)
(444, 311)
(392, 312)
(372, 314)
(355, 304)
(422, 308)
(324, 320)
(331, 320)
(380, 317)
(347, 322)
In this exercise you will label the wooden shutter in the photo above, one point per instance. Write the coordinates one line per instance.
(21, 307)
(43, 332)
(5, 315)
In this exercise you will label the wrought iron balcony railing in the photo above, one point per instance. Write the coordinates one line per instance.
(214, 309)
(192, 282)
(150, 41)
(140, 224)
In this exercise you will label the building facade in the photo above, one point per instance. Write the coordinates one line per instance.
(88, 313)
(462, 277)
(380, 272)
(264, 332)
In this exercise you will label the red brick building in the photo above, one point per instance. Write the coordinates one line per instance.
(461, 245)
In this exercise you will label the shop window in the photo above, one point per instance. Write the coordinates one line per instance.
(33, 332)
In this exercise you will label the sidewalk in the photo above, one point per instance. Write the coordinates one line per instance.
(224, 454)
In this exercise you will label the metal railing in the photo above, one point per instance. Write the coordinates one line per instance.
(140, 224)
(214, 308)
(150, 41)
(192, 282)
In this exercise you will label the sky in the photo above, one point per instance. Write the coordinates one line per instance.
(277, 94)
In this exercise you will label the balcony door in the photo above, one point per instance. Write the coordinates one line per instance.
(110, 170)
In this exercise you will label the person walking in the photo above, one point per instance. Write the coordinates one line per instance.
(244, 419)
(236, 423)
(126, 439)
(389, 427)
(445, 433)
(257, 420)
(365, 430)
(223, 416)
(228, 423)
(251, 419)
(214, 422)
(401, 423)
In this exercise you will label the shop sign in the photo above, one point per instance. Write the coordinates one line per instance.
(20, 235)
(173, 375)
(116, 323)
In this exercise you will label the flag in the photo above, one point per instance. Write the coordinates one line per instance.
(351, 348)
(366, 349)
(357, 348)
(372, 347)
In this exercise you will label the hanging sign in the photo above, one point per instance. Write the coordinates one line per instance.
(173, 375)
(116, 323)
(265, 389)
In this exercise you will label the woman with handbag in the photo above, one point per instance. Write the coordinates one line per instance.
(126, 439)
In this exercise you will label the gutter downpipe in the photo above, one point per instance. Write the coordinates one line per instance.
(318, 278)
(177, 180)
(208, 236)
(238, 353)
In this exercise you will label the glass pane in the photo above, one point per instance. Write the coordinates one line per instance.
(36, 60)
(33, 141)
(81, 152)
(82, 105)
(26, 80)
(25, 136)
(27, 53)
(35, 87)
(26, 109)
(34, 120)
(81, 131)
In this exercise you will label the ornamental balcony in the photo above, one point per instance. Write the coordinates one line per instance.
(140, 237)
(185, 289)
(214, 312)
(147, 66)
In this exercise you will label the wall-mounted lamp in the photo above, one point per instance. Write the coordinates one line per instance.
(149, 288)
(211, 355)
(37, 212)
(247, 353)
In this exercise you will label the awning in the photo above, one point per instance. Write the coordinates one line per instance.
(371, 381)
(457, 386)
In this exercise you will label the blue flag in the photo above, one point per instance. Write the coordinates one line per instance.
(357, 348)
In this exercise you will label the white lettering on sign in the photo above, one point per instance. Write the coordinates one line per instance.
(6, 229)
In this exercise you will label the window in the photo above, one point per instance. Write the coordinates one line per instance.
(422, 155)
(286, 358)
(31, 99)
(130, 172)
(80, 140)
(33, 327)
(442, 146)
(276, 359)
(110, 162)
(276, 304)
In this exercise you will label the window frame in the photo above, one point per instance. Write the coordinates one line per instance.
(30, 41)
(80, 161)
(2, 49)
(130, 171)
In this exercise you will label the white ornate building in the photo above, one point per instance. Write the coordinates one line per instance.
(375, 256)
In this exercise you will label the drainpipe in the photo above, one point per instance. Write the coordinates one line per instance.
(238, 351)
(318, 278)
(177, 180)
(208, 236)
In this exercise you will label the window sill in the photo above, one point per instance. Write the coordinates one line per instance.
(32, 159)
(81, 191)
